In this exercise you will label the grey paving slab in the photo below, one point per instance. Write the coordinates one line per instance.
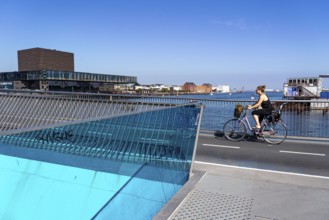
(271, 200)
(219, 196)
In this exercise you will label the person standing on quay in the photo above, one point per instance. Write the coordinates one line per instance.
(263, 104)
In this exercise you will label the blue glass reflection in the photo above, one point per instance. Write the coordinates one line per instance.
(161, 142)
(160, 137)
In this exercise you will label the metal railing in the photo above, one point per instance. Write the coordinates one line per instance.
(164, 137)
(161, 134)
(304, 118)
(29, 109)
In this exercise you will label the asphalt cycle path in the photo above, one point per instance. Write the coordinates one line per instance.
(292, 156)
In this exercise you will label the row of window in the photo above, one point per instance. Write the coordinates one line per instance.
(304, 81)
(61, 75)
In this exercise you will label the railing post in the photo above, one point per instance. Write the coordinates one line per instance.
(196, 139)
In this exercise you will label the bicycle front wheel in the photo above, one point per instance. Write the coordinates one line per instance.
(235, 130)
(274, 133)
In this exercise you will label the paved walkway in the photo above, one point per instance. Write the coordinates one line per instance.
(227, 192)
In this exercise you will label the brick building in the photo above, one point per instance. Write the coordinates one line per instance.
(189, 86)
(45, 59)
(204, 88)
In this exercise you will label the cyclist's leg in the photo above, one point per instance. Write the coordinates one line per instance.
(258, 116)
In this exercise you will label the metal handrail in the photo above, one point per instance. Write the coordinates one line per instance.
(305, 118)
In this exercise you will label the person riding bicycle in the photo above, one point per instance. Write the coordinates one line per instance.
(263, 104)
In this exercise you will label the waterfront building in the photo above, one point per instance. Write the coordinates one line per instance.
(52, 70)
(303, 88)
(175, 88)
(159, 87)
(142, 89)
(204, 88)
(190, 87)
(51, 80)
(222, 88)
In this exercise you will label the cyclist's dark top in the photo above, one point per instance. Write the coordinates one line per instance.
(265, 110)
(267, 105)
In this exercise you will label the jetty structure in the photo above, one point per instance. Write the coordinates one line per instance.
(304, 88)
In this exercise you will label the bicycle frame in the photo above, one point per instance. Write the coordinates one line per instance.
(246, 122)
(244, 119)
(272, 131)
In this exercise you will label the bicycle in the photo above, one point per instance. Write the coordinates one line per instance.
(272, 130)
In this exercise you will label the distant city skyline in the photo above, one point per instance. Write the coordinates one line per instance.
(222, 42)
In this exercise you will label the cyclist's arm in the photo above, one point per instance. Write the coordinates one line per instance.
(259, 102)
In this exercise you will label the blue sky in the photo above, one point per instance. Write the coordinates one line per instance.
(236, 42)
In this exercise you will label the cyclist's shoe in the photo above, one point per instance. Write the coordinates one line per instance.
(255, 128)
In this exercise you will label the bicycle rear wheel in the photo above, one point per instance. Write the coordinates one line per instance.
(274, 133)
(234, 130)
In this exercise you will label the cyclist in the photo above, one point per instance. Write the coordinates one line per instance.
(263, 104)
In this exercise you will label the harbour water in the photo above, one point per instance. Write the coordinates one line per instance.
(248, 95)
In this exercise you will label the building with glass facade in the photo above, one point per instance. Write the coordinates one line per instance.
(52, 80)
(52, 70)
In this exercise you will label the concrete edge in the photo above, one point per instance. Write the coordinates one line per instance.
(180, 196)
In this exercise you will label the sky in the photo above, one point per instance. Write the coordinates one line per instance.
(241, 43)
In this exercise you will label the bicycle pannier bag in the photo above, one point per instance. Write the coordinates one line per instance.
(238, 110)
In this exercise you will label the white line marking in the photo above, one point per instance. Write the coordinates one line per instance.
(223, 146)
(295, 152)
(263, 170)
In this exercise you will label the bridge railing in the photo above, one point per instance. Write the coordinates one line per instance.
(164, 137)
(304, 118)
(32, 109)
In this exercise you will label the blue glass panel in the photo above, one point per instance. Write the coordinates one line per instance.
(164, 137)
(37, 190)
(158, 144)
(142, 197)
